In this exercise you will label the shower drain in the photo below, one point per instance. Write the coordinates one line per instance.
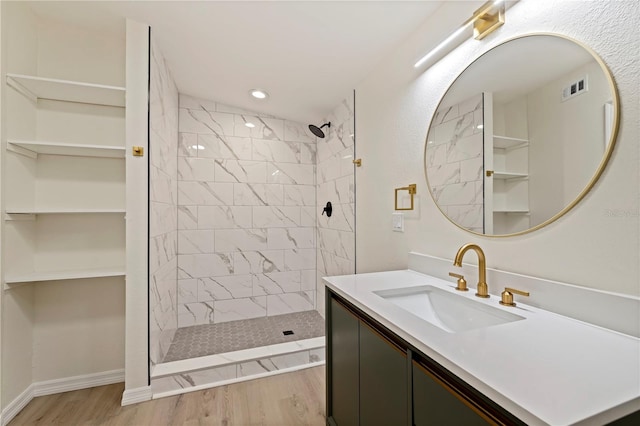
(287, 332)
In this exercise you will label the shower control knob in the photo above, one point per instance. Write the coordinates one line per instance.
(328, 209)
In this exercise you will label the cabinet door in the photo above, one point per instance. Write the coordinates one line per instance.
(343, 363)
(436, 404)
(383, 380)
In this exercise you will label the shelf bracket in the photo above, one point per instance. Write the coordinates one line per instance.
(20, 217)
(21, 89)
(22, 151)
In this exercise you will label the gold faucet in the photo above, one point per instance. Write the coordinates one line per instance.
(482, 288)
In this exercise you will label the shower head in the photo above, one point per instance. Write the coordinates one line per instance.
(318, 130)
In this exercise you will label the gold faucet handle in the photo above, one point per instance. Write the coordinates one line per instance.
(462, 283)
(507, 296)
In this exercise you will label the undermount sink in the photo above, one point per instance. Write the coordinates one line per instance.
(445, 310)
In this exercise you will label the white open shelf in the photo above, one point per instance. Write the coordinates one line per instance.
(66, 90)
(30, 214)
(509, 175)
(510, 210)
(505, 142)
(63, 211)
(79, 150)
(64, 275)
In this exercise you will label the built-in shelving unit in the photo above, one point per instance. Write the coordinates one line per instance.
(510, 188)
(76, 150)
(66, 90)
(67, 184)
(507, 156)
(63, 206)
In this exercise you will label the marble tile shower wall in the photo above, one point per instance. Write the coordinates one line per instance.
(163, 209)
(455, 162)
(246, 215)
(336, 183)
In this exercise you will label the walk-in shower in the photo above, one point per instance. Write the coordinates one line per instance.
(237, 244)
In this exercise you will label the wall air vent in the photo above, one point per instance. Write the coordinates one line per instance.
(575, 88)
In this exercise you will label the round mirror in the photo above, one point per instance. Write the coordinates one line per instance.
(521, 135)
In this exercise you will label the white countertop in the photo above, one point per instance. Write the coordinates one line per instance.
(546, 369)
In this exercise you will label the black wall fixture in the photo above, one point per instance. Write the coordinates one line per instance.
(318, 130)
(328, 209)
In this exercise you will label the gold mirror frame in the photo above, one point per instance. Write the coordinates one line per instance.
(602, 165)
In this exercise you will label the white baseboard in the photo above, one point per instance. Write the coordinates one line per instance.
(85, 381)
(66, 384)
(14, 407)
(136, 395)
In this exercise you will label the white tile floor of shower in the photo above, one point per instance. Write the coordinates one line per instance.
(205, 356)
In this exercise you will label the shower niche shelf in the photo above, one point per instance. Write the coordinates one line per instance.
(67, 90)
(33, 148)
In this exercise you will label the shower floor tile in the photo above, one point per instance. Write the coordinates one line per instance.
(210, 339)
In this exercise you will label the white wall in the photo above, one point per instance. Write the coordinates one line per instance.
(2, 93)
(19, 52)
(137, 290)
(570, 133)
(595, 245)
(79, 328)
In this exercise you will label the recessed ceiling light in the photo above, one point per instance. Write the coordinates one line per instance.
(197, 147)
(480, 126)
(258, 94)
(249, 125)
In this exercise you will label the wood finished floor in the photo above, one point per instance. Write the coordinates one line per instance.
(296, 398)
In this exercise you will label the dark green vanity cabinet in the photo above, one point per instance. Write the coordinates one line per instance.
(367, 379)
(343, 378)
(438, 404)
(384, 393)
(376, 378)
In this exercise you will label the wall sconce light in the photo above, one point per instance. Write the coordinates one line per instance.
(485, 20)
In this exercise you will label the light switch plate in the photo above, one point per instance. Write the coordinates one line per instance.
(397, 222)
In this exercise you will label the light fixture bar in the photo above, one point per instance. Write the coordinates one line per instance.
(445, 42)
(485, 20)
